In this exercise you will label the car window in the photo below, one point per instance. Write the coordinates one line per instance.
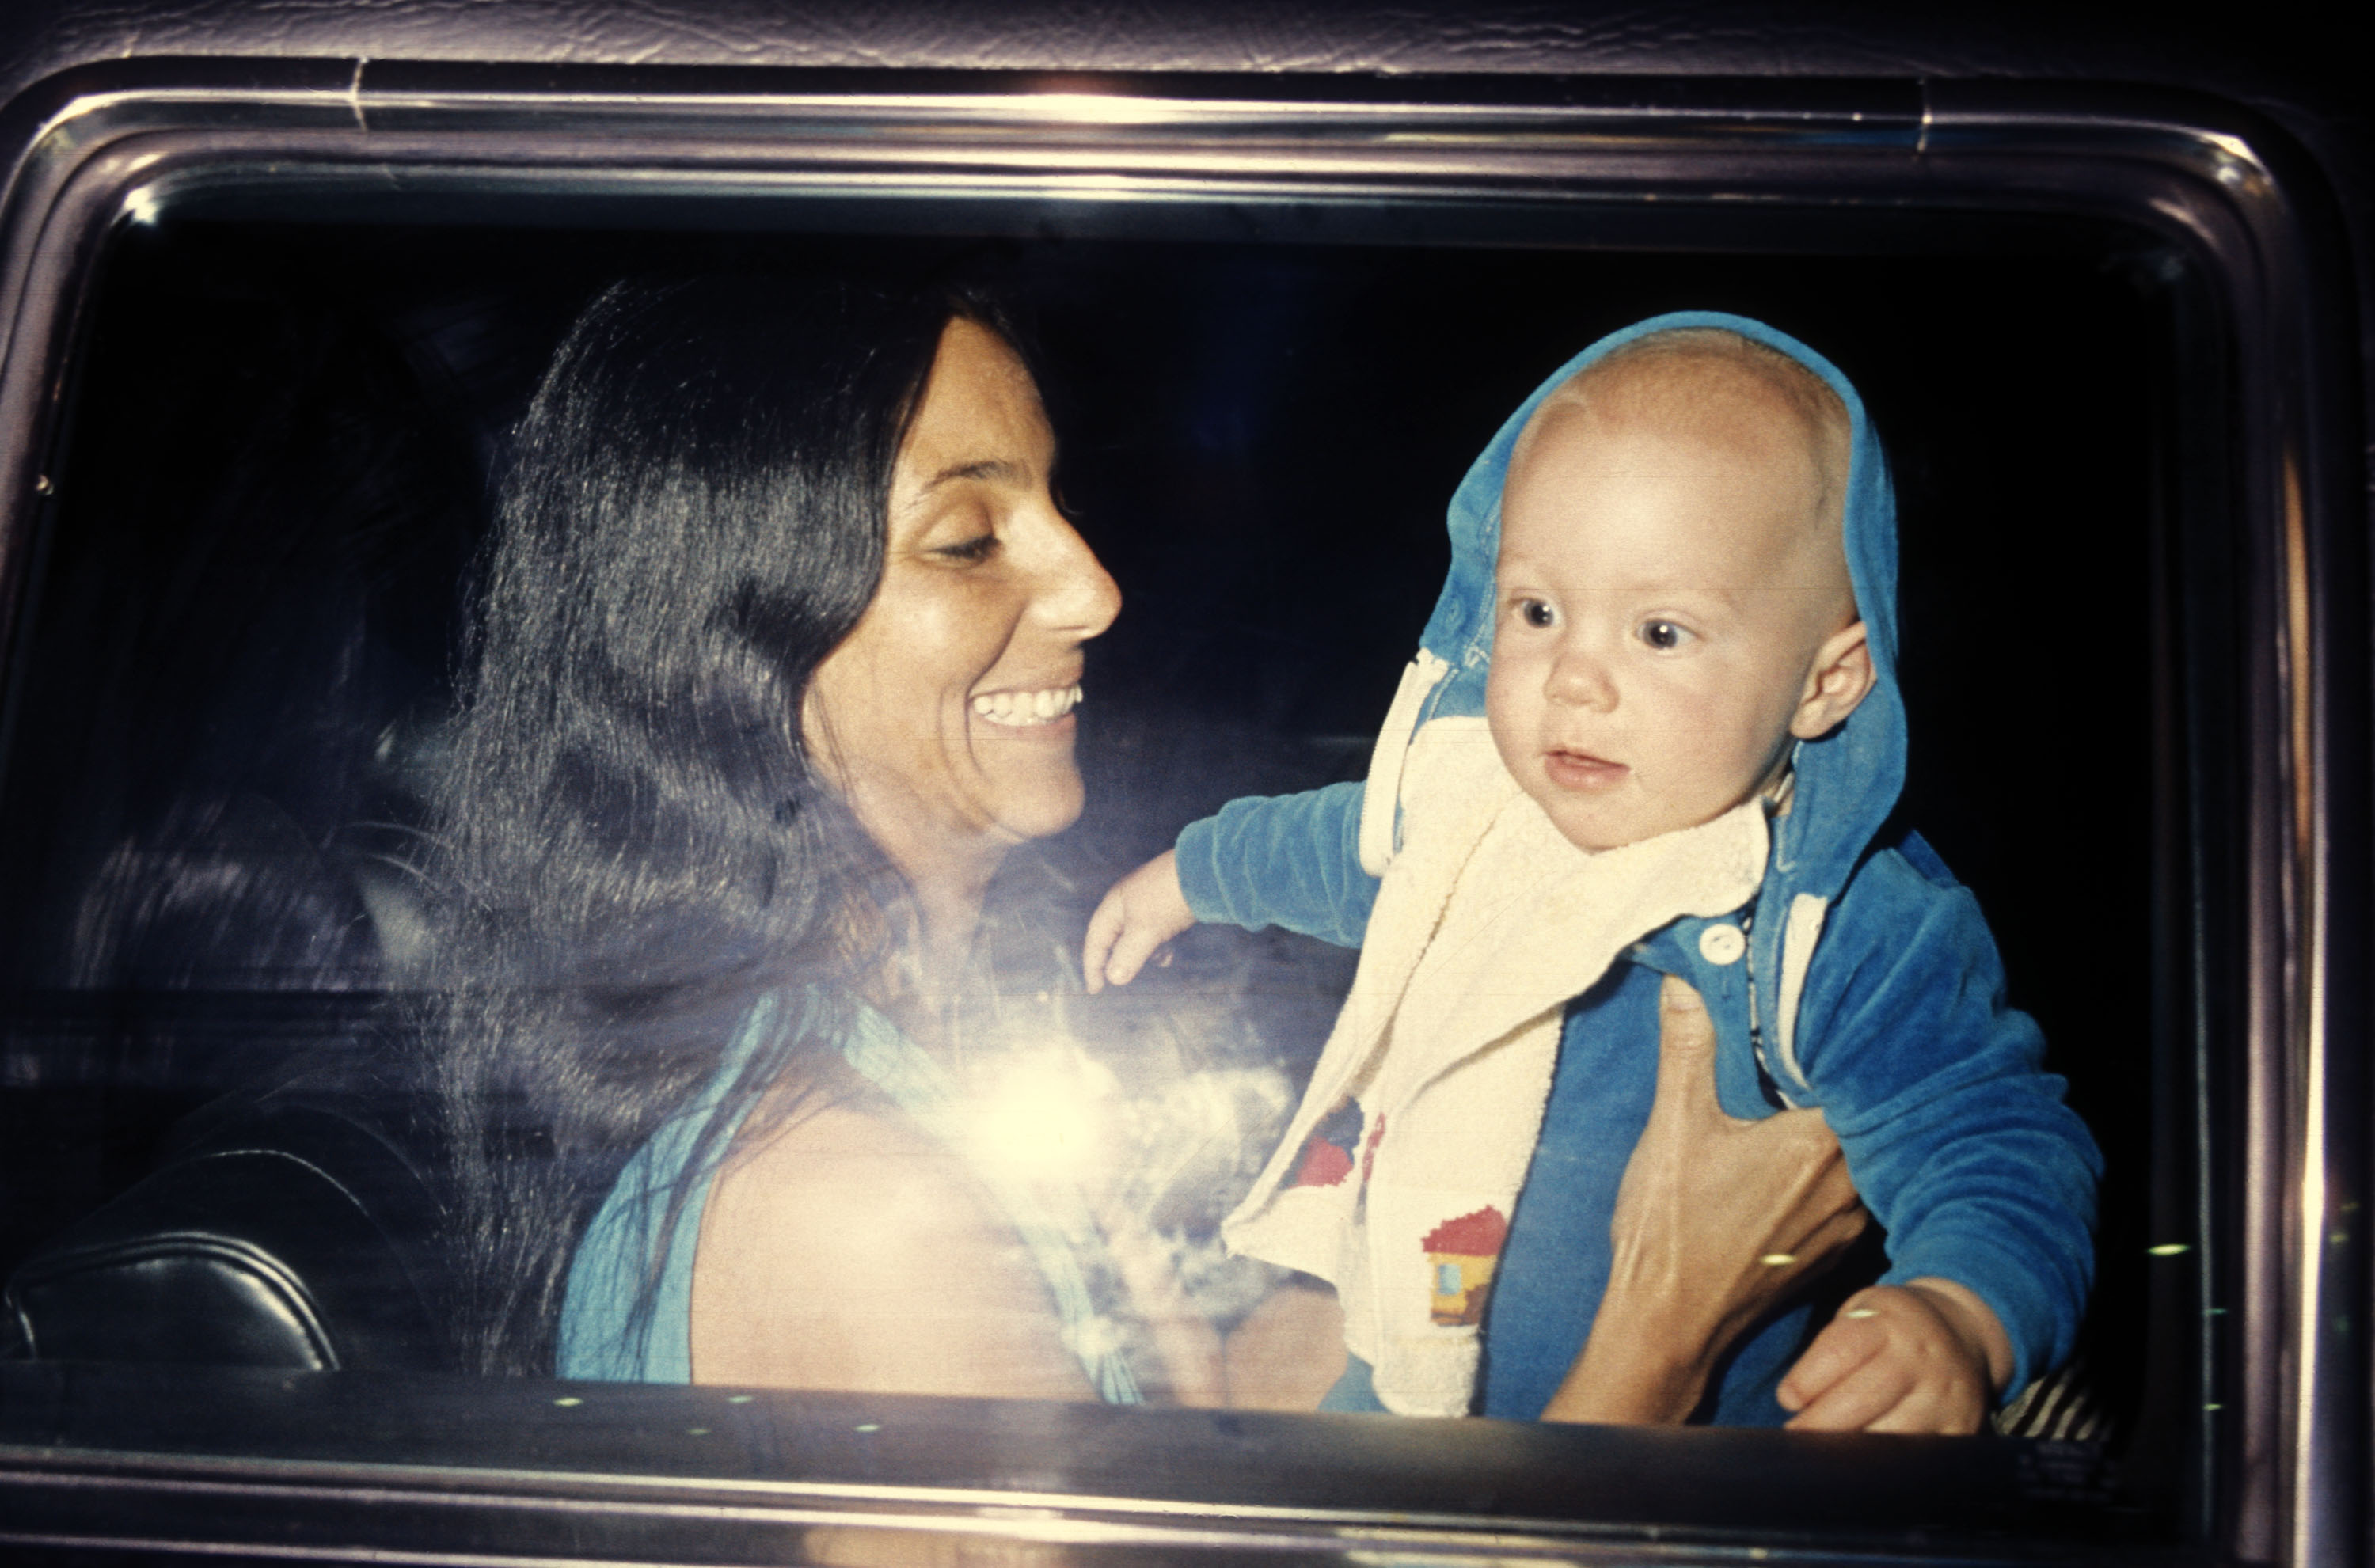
(248, 620)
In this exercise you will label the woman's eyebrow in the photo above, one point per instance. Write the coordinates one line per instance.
(997, 469)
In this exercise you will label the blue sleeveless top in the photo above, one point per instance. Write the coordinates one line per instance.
(598, 1340)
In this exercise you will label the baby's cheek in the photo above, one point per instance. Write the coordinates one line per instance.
(1510, 718)
(1500, 684)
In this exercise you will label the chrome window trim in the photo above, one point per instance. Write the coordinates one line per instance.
(1031, 1479)
(2289, 1460)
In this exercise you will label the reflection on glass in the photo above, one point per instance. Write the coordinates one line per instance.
(1207, 498)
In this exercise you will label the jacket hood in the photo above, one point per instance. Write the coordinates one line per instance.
(1847, 782)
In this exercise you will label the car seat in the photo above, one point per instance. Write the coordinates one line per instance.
(281, 1230)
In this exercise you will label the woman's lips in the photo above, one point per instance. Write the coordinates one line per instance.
(1582, 771)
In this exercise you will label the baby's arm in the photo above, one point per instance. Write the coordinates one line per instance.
(1137, 915)
(1924, 1356)
(1289, 860)
(1959, 1142)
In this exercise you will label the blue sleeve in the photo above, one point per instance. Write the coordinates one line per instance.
(1291, 860)
(1956, 1134)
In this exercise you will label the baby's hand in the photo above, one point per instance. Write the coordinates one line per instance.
(1927, 1356)
(1137, 915)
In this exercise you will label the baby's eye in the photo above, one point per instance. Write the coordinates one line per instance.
(1536, 614)
(1663, 635)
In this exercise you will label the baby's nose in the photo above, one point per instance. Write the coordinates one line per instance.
(1579, 680)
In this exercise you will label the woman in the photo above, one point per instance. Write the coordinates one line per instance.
(780, 643)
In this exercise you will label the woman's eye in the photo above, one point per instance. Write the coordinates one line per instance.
(1536, 614)
(970, 552)
(1663, 635)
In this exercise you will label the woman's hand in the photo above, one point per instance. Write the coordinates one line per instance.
(1718, 1220)
(1194, 1363)
(1284, 1355)
(1137, 915)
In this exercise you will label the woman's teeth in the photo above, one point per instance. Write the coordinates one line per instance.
(1021, 708)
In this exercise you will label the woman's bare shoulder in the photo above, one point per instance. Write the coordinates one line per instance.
(841, 1177)
(845, 1249)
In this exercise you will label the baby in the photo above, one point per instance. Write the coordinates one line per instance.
(1673, 595)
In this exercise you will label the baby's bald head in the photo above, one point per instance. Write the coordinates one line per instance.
(1713, 387)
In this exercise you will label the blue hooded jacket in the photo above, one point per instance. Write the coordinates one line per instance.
(1871, 988)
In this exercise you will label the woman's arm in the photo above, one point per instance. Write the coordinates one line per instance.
(1289, 1352)
(848, 1252)
(1717, 1221)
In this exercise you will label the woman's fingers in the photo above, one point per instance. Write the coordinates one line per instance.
(1718, 1219)
(1821, 1246)
(1189, 1346)
(1828, 1205)
(1796, 1258)
(1686, 1056)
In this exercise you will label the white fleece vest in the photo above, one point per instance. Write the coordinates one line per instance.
(1398, 1173)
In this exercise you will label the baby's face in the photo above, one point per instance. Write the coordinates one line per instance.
(1664, 588)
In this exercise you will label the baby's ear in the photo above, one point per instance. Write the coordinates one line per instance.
(1838, 680)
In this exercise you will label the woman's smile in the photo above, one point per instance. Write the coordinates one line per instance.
(1046, 709)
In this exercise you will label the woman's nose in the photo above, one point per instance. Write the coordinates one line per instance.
(1075, 596)
(1580, 678)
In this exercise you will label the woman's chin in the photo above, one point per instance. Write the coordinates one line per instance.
(1045, 814)
(1033, 784)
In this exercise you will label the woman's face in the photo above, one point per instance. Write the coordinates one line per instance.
(945, 717)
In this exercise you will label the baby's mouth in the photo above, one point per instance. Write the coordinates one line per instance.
(1582, 771)
(1025, 710)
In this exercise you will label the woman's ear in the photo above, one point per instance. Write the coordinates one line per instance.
(1838, 680)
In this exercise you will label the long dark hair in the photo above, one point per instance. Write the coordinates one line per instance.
(632, 842)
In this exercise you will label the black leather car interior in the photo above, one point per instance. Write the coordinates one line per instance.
(281, 1232)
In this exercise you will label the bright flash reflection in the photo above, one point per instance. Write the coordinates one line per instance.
(1046, 1116)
